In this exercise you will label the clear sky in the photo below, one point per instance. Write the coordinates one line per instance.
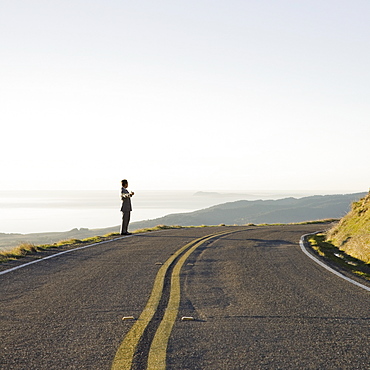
(195, 94)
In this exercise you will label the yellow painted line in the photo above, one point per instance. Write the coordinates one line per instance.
(126, 351)
(158, 348)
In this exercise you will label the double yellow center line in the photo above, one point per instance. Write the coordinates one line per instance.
(158, 348)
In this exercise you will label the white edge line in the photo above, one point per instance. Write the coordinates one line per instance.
(60, 253)
(304, 250)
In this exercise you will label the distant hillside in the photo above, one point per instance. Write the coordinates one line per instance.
(352, 233)
(261, 211)
(233, 213)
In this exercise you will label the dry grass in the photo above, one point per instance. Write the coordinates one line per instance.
(20, 251)
(337, 256)
(156, 228)
(28, 248)
(352, 234)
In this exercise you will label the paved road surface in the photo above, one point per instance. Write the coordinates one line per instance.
(257, 300)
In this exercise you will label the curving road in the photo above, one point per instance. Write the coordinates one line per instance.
(256, 302)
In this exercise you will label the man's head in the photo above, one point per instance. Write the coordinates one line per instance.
(124, 183)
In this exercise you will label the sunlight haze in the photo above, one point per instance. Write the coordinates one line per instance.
(239, 94)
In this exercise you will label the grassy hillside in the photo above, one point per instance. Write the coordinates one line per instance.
(352, 233)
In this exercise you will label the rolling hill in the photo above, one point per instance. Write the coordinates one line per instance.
(242, 212)
(287, 210)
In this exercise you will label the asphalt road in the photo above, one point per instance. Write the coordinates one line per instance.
(257, 300)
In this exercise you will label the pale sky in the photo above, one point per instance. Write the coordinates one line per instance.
(191, 94)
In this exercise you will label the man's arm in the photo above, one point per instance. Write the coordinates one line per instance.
(125, 195)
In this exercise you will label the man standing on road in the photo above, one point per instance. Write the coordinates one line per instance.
(126, 207)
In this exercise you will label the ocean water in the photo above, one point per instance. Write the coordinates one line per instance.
(46, 211)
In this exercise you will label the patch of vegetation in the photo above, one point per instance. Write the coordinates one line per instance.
(337, 256)
(166, 227)
(352, 233)
(156, 228)
(27, 248)
(313, 222)
(110, 235)
(324, 221)
(20, 251)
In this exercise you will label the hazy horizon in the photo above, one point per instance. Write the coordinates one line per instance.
(202, 192)
(195, 190)
(51, 211)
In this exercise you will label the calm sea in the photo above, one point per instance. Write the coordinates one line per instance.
(45, 211)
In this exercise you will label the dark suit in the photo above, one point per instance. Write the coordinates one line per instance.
(125, 209)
